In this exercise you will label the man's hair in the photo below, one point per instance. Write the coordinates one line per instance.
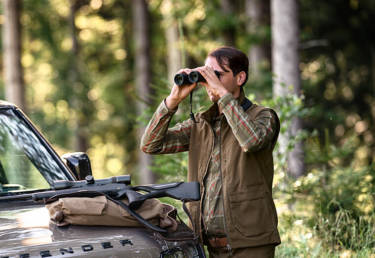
(235, 59)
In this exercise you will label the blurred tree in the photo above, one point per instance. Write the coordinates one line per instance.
(142, 79)
(228, 32)
(285, 65)
(258, 21)
(13, 71)
(79, 97)
(171, 28)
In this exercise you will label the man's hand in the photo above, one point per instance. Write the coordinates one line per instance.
(214, 86)
(179, 93)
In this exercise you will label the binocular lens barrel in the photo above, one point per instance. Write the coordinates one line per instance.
(181, 79)
(196, 77)
(193, 77)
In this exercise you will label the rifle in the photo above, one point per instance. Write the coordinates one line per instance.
(115, 189)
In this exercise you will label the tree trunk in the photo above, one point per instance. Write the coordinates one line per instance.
(81, 141)
(372, 125)
(174, 57)
(285, 62)
(142, 78)
(13, 72)
(258, 17)
(171, 35)
(227, 10)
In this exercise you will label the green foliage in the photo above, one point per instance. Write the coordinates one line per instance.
(333, 204)
(335, 64)
(344, 206)
(343, 230)
(171, 167)
(330, 210)
(288, 107)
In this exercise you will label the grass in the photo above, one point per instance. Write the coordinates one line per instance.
(340, 236)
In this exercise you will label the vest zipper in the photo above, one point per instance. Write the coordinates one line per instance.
(222, 189)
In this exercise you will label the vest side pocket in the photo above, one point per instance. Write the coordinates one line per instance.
(250, 212)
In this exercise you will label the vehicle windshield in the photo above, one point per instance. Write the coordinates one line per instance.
(25, 162)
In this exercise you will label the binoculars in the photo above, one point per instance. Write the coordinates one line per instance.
(185, 79)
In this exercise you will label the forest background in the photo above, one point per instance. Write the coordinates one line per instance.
(90, 73)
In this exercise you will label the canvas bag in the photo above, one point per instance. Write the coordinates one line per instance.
(100, 211)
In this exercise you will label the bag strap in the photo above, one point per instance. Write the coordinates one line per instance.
(190, 218)
(137, 216)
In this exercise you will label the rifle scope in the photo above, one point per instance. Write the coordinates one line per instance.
(89, 180)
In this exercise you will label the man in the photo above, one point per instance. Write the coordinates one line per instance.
(230, 153)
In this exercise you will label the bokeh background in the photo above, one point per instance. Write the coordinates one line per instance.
(90, 73)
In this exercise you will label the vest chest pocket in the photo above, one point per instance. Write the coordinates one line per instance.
(250, 212)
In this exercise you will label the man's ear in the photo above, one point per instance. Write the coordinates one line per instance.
(241, 77)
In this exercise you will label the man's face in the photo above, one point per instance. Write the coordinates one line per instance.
(226, 78)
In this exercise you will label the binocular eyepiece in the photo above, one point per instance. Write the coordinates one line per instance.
(185, 79)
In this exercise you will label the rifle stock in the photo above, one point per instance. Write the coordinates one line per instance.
(180, 191)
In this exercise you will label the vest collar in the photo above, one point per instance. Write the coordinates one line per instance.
(213, 111)
(246, 103)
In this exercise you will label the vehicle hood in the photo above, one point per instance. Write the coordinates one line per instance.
(28, 232)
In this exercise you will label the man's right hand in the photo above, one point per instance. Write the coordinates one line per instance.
(179, 93)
